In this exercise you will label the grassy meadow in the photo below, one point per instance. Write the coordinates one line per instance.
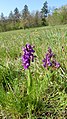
(48, 96)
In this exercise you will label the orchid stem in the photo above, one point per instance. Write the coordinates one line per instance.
(28, 92)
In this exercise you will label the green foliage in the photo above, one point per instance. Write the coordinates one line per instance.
(59, 16)
(48, 95)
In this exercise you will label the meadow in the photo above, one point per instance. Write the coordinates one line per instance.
(48, 95)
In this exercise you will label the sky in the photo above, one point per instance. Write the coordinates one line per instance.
(9, 5)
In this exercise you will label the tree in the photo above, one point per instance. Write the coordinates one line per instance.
(64, 14)
(16, 13)
(25, 12)
(11, 15)
(16, 18)
(11, 21)
(37, 18)
(3, 22)
(44, 9)
(44, 12)
(25, 16)
(58, 16)
(2, 17)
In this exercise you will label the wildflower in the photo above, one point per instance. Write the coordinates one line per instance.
(49, 60)
(56, 64)
(27, 56)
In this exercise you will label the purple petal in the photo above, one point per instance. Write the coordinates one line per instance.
(57, 65)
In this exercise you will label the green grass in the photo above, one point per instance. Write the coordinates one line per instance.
(48, 97)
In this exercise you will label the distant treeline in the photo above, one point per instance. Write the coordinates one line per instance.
(24, 19)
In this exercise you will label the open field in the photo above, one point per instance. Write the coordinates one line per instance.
(48, 97)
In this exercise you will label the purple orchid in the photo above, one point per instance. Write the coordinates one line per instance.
(27, 56)
(49, 60)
